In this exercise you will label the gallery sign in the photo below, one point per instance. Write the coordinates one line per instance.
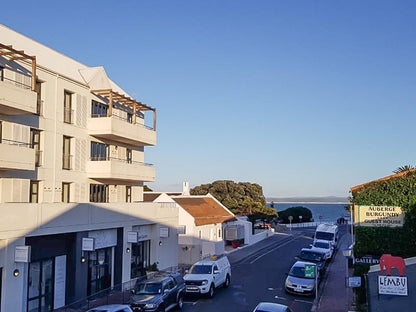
(367, 260)
(392, 285)
(377, 216)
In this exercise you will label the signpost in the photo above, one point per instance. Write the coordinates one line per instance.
(290, 220)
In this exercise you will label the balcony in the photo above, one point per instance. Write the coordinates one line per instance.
(114, 169)
(121, 130)
(17, 83)
(17, 98)
(16, 155)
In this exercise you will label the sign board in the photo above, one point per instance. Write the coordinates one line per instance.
(22, 254)
(164, 232)
(377, 216)
(354, 281)
(309, 271)
(367, 260)
(87, 244)
(392, 285)
(132, 237)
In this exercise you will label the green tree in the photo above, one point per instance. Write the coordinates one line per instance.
(243, 198)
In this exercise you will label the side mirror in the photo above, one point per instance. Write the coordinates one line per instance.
(216, 271)
(132, 291)
(297, 258)
(310, 245)
(186, 271)
(166, 291)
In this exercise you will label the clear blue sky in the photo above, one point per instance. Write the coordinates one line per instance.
(306, 98)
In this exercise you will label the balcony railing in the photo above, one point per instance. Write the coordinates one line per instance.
(16, 83)
(124, 160)
(68, 115)
(67, 162)
(128, 120)
(18, 143)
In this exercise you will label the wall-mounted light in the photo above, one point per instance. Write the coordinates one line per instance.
(160, 243)
(83, 259)
(128, 250)
(16, 273)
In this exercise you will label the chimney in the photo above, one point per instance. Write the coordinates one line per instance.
(185, 188)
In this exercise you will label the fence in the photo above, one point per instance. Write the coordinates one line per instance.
(119, 294)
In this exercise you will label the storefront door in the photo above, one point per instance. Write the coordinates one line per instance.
(99, 270)
(40, 286)
(140, 258)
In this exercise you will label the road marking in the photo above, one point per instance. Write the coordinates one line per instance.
(280, 245)
(281, 298)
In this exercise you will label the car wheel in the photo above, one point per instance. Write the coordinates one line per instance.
(180, 302)
(211, 291)
(227, 281)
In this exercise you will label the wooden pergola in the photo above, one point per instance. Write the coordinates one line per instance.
(114, 96)
(15, 55)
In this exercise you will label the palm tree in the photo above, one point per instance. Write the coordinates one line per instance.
(403, 168)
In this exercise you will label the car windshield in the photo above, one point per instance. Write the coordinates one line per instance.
(200, 269)
(298, 271)
(311, 256)
(148, 289)
(321, 245)
(324, 235)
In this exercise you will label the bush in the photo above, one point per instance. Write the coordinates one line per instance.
(295, 212)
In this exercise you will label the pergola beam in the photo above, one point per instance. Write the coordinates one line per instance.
(15, 55)
(114, 96)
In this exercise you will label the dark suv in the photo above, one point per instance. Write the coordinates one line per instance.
(160, 293)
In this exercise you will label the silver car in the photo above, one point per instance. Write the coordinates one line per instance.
(271, 307)
(301, 278)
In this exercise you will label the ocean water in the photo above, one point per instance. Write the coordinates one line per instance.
(328, 212)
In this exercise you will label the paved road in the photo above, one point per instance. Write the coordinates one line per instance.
(258, 274)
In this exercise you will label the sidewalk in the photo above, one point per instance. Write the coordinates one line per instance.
(335, 296)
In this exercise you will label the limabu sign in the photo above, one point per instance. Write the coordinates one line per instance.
(376, 216)
(392, 285)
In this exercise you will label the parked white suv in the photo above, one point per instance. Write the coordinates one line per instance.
(207, 274)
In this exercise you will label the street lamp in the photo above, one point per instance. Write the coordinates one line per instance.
(347, 253)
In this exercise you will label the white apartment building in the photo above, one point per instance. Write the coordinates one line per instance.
(72, 168)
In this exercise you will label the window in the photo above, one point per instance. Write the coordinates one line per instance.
(41, 286)
(129, 156)
(1, 73)
(34, 192)
(98, 151)
(66, 154)
(98, 193)
(98, 109)
(67, 107)
(130, 117)
(35, 144)
(65, 192)
(128, 194)
(99, 270)
(39, 107)
(219, 233)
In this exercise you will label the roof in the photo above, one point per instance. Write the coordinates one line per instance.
(150, 197)
(205, 210)
(393, 176)
(56, 61)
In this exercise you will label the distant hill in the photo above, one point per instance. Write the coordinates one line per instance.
(324, 199)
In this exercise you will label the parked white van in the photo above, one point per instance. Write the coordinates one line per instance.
(328, 232)
(207, 274)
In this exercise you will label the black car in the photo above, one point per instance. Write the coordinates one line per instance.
(315, 255)
(160, 293)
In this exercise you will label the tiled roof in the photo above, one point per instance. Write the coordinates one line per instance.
(205, 210)
(150, 197)
(397, 175)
